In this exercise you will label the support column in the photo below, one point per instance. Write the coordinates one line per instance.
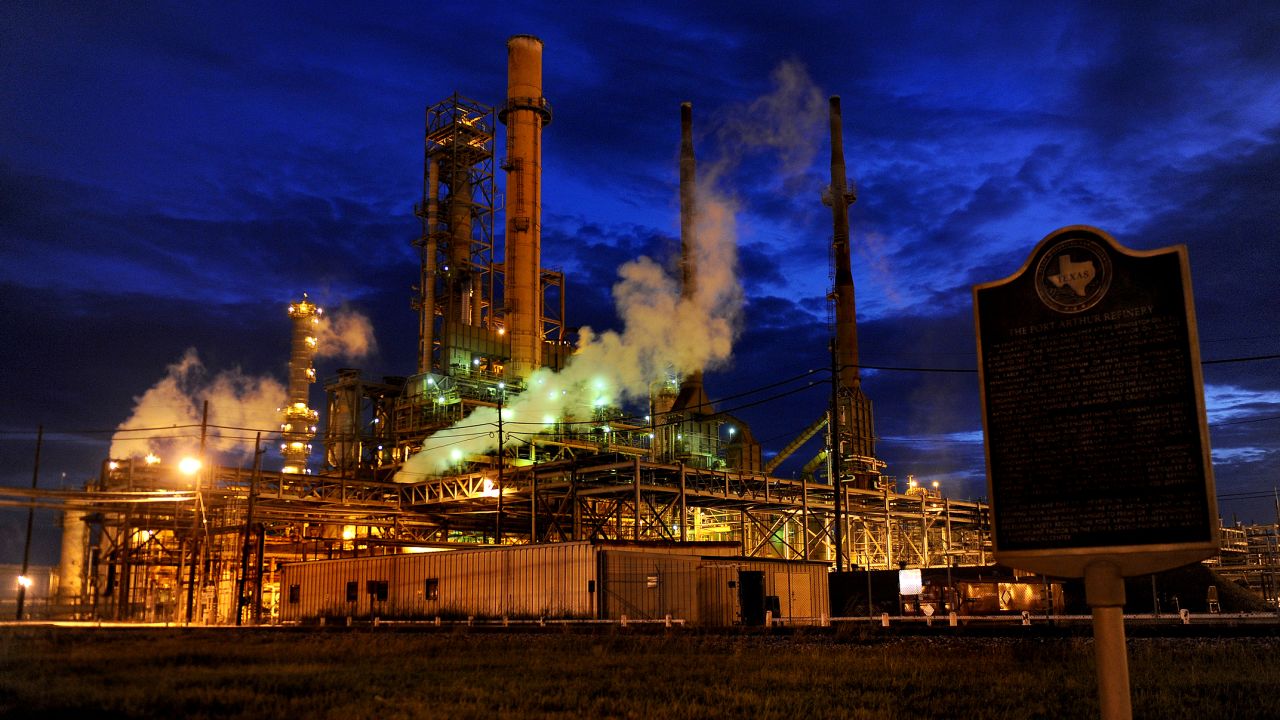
(684, 508)
(635, 479)
(1104, 590)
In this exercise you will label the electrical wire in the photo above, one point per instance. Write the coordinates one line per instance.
(624, 418)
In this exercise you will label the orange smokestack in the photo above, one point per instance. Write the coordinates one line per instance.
(525, 114)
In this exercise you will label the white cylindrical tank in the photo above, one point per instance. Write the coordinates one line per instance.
(75, 544)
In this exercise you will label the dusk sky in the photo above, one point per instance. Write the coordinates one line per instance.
(172, 175)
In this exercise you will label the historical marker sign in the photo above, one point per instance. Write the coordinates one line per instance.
(1093, 409)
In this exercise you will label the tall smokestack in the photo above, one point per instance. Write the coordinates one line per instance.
(525, 114)
(427, 277)
(688, 210)
(692, 395)
(299, 423)
(854, 424)
(840, 200)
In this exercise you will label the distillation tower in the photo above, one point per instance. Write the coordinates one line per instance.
(298, 425)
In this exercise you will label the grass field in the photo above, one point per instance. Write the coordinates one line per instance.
(457, 673)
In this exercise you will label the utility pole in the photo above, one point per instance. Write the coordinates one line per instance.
(834, 450)
(23, 580)
(195, 522)
(246, 535)
(498, 528)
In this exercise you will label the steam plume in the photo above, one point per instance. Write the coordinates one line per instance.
(347, 333)
(235, 400)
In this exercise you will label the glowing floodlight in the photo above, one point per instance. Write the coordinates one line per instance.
(189, 466)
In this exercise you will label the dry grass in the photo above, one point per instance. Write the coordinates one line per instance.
(133, 673)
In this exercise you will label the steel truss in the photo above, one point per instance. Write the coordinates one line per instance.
(627, 498)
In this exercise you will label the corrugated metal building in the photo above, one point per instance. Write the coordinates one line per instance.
(703, 583)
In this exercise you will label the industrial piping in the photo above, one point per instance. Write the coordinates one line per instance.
(525, 114)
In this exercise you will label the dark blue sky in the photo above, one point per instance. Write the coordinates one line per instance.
(171, 175)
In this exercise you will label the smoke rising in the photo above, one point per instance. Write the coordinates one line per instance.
(347, 333)
(789, 123)
(662, 333)
(235, 400)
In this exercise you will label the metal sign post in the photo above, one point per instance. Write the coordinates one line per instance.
(1094, 424)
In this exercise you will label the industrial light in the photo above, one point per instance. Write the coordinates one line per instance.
(113, 465)
(152, 458)
(189, 466)
(24, 581)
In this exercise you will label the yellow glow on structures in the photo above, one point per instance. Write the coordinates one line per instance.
(189, 465)
(290, 470)
(297, 424)
(348, 532)
(152, 459)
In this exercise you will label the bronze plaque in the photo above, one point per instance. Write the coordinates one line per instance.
(1093, 408)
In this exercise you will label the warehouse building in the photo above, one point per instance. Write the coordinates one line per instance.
(705, 584)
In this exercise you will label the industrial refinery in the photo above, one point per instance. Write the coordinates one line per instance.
(511, 474)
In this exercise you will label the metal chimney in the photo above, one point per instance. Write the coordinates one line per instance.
(841, 197)
(853, 427)
(692, 395)
(525, 114)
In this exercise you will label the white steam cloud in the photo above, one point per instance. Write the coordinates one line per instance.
(235, 400)
(662, 332)
(346, 333)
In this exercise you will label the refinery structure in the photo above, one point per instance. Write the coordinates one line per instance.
(603, 496)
